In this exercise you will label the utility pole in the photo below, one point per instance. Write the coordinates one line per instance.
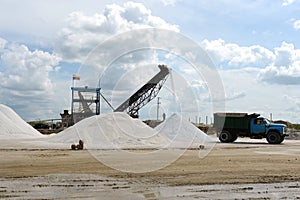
(271, 116)
(158, 102)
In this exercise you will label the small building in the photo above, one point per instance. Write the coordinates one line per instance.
(66, 119)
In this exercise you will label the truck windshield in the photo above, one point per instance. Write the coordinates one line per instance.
(266, 121)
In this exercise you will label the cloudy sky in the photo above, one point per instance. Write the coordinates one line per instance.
(254, 45)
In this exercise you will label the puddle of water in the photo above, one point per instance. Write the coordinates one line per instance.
(88, 186)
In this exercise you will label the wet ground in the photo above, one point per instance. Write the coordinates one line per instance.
(87, 186)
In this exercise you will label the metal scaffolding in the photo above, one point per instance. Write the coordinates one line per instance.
(85, 103)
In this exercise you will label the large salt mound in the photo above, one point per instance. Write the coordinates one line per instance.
(12, 126)
(113, 130)
(179, 130)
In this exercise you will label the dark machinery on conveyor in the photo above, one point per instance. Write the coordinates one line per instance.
(145, 94)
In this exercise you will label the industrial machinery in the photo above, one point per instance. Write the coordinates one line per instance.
(85, 103)
(145, 94)
(230, 126)
(79, 146)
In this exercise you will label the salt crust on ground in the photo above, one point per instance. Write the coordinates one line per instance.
(12, 126)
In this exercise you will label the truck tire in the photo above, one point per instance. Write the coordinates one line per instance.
(225, 136)
(274, 137)
(282, 138)
(234, 137)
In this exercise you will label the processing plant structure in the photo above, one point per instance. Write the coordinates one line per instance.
(86, 101)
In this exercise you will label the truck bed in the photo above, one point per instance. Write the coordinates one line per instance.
(233, 121)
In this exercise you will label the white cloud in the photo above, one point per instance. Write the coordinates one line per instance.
(286, 66)
(281, 66)
(24, 77)
(235, 95)
(296, 24)
(284, 54)
(199, 84)
(229, 96)
(84, 32)
(237, 56)
(26, 69)
(281, 75)
(287, 2)
(3, 42)
(260, 97)
(169, 2)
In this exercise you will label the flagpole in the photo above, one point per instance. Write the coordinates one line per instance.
(74, 78)
(72, 106)
(73, 82)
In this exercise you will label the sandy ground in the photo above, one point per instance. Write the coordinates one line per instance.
(246, 169)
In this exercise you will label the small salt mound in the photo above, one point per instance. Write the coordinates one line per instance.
(12, 126)
(177, 129)
(113, 130)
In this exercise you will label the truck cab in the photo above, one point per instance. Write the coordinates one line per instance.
(258, 125)
(230, 126)
(261, 127)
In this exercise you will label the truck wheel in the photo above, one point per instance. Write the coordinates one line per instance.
(234, 137)
(282, 138)
(274, 138)
(225, 136)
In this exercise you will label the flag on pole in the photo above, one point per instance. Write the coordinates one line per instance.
(76, 77)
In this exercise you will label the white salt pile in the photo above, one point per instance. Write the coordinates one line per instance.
(12, 126)
(119, 130)
(181, 132)
(113, 131)
(106, 131)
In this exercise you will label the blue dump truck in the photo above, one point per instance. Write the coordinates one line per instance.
(230, 126)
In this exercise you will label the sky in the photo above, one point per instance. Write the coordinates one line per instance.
(253, 45)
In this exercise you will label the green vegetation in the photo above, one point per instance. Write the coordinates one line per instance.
(288, 124)
(296, 126)
(39, 125)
